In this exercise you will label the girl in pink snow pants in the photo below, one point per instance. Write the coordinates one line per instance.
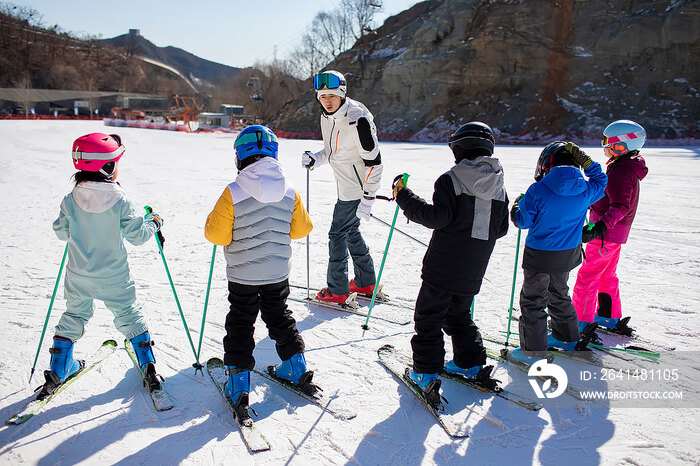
(596, 295)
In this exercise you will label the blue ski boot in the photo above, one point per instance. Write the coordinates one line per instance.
(607, 322)
(294, 370)
(63, 366)
(144, 355)
(429, 385)
(479, 375)
(517, 354)
(559, 344)
(237, 389)
(470, 373)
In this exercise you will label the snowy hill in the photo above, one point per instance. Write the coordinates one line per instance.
(106, 417)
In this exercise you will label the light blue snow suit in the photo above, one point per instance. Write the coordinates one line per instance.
(94, 218)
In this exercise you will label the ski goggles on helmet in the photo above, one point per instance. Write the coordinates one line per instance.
(327, 80)
(608, 140)
(258, 138)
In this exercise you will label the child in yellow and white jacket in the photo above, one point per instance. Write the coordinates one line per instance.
(255, 220)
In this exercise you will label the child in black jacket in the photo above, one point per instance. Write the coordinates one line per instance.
(469, 212)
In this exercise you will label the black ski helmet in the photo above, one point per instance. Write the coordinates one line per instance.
(553, 155)
(472, 139)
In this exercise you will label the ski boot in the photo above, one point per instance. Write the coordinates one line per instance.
(481, 375)
(530, 358)
(63, 366)
(428, 384)
(618, 326)
(367, 290)
(326, 295)
(294, 370)
(237, 389)
(147, 362)
(560, 344)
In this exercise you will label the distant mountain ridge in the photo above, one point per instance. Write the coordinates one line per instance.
(198, 70)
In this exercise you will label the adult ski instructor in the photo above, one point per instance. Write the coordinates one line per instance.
(351, 149)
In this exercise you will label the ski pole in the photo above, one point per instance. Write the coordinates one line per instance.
(197, 366)
(512, 291)
(403, 233)
(381, 268)
(48, 313)
(204, 315)
(308, 273)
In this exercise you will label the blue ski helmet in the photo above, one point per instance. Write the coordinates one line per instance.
(624, 136)
(255, 140)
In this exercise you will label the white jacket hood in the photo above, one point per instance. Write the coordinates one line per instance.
(263, 180)
(96, 197)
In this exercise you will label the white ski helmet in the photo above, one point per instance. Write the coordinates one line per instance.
(330, 82)
(624, 136)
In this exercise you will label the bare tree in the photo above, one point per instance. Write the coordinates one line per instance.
(361, 14)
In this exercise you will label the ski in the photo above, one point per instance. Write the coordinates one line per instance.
(318, 399)
(252, 437)
(397, 365)
(35, 406)
(354, 308)
(504, 356)
(161, 399)
(498, 391)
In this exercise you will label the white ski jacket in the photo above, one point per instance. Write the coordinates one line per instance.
(352, 150)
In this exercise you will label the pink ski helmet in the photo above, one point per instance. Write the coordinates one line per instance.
(94, 152)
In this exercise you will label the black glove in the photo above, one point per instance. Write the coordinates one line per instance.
(593, 231)
(580, 158)
(514, 210)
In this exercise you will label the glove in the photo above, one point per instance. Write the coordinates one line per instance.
(364, 208)
(593, 231)
(155, 218)
(580, 158)
(308, 160)
(397, 185)
(514, 210)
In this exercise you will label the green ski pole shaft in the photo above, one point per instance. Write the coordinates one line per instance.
(197, 365)
(48, 313)
(381, 267)
(206, 303)
(512, 291)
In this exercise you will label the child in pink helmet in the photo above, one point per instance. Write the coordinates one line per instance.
(596, 295)
(93, 219)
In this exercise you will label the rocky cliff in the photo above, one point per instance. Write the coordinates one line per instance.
(532, 69)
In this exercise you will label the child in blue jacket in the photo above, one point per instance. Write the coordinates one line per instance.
(554, 211)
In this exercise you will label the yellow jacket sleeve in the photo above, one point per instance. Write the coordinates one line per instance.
(301, 222)
(219, 226)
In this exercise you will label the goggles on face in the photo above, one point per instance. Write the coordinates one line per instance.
(327, 80)
(608, 140)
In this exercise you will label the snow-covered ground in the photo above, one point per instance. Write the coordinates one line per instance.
(106, 417)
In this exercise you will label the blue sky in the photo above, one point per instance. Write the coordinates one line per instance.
(236, 33)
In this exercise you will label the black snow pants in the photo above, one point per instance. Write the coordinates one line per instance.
(546, 291)
(438, 310)
(271, 301)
